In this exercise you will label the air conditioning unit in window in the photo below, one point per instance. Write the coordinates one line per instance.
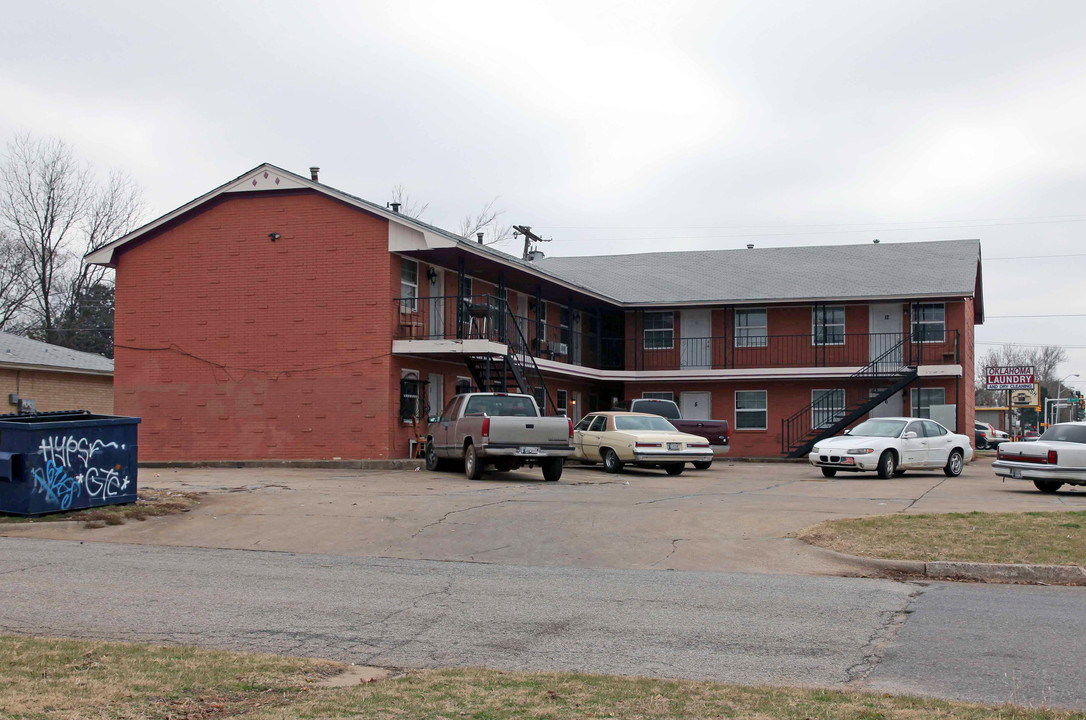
(558, 348)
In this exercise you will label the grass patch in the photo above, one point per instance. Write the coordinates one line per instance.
(150, 502)
(68, 679)
(1043, 538)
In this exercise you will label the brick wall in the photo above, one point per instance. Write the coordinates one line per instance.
(231, 346)
(57, 390)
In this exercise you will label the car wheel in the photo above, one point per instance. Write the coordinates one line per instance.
(432, 461)
(1047, 486)
(552, 470)
(611, 463)
(472, 467)
(887, 465)
(954, 464)
(982, 444)
(829, 472)
(674, 468)
(702, 464)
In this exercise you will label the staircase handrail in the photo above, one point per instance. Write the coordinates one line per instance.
(522, 353)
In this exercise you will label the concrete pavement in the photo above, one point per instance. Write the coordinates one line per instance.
(736, 517)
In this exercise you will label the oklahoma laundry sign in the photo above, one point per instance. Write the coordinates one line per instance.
(1019, 377)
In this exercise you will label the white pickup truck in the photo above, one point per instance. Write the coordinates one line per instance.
(502, 430)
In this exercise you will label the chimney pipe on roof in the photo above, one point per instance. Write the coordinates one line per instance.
(394, 205)
(479, 237)
(313, 173)
(876, 241)
(750, 246)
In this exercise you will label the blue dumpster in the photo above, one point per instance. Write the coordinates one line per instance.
(57, 461)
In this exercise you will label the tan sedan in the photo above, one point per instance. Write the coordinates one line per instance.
(617, 438)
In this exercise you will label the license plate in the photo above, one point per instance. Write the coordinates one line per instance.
(673, 446)
(527, 451)
(848, 461)
(1016, 474)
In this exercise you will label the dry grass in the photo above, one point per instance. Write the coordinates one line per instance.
(1048, 538)
(151, 502)
(66, 680)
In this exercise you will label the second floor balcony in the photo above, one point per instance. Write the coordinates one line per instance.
(581, 342)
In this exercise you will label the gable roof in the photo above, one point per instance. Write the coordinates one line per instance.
(22, 352)
(946, 268)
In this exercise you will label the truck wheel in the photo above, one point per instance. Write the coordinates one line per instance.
(432, 461)
(472, 467)
(611, 463)
(552, 470)
(1047, 486)
(674, 468)
(954, 464)
(829, 472)
(887, 465)
(702, 464)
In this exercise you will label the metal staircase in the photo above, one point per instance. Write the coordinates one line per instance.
(821, 419)
(516, 371)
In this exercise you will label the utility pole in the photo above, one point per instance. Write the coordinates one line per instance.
(529, 238)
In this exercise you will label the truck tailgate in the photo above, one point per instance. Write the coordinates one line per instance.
(534, 431)
(714, 431)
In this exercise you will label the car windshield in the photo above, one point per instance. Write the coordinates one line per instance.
(878, 428)
(635, 422)
(499, 405)
(1066, 433)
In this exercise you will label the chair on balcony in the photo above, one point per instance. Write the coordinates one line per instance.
(478, 314)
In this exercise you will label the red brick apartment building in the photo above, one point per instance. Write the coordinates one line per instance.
(276, 317)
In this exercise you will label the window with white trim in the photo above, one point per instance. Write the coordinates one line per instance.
(659, 330)
(921, 400)
(410, 392)
(928, 322)
(561, 400)
(828, 325)
(827, 407)
(658, 396)
(751, 328)
(751, 410)
(409, 285)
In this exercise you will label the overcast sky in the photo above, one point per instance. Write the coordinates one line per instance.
(611, 127)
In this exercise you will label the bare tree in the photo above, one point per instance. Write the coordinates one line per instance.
(55, 212)
(486, 222)
(15, 287)
(408, 205)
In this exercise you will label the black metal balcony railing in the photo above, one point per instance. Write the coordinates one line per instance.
(488, 317)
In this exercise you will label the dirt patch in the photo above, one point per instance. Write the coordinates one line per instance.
(151, 502)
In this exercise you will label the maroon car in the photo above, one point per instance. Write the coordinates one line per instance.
(716, 432)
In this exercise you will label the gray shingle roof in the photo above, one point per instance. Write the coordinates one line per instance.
(886, 270)
(18, 350)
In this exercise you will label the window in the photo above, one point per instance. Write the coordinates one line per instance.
(751, 410)
(659, 330)
(583, 424)
(639, 422)
(658, 396)
(827, 407)
(599, 424)
(410, 387)
(921, 400)
(828, 325)
(751, 328)
(933, 429)
(409, 285)
(449, 412)
(562, 401)
(464, 385)
(929, 322)
(915, 427)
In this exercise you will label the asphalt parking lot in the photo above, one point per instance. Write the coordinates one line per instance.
(737, 516)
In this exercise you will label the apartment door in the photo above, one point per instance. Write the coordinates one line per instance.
(695, 405)
(575, 338)
(435, 394)
(575, 411)
(437, 307)
(695, 345)
(886, 337)
(894, 406)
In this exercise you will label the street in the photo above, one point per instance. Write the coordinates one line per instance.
(975, 642)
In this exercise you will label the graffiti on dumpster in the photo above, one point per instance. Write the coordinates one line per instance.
(74, 466)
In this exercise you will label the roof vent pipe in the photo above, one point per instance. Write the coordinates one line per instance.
(876, 241)
(394, 205)
(479, 237)
(750, 246)
(313, 173)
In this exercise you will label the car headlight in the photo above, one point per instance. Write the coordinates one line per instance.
(816, 449)
(861, 451)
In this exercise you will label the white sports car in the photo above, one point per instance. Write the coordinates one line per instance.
(1056, 458)
(892, 445)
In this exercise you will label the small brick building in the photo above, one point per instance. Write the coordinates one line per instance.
(49, 377)
(276, 317)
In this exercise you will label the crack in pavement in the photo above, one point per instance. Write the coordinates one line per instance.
(716, 494)
(923, 495)
(875, 648)
(674, 546)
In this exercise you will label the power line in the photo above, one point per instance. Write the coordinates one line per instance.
(1001, 317)
(1054, 218)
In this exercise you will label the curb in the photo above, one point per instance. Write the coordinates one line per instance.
(395, 464)
(972, 571)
